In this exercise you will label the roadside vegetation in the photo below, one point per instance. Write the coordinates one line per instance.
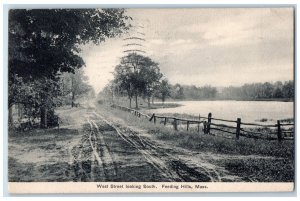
(45, 65)
(195, 140)
(41, 154)
(265, 160)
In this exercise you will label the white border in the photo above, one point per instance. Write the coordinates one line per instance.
(129, 3)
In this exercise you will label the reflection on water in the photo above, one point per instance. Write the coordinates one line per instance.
(248, 111)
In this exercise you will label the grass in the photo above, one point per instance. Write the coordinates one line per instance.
(262, 170)
(216, 144)
(44, 155)
(275, 164)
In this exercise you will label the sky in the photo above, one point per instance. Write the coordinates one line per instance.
(204, 46)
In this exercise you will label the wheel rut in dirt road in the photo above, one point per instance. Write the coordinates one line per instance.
(102, 155)
(92, 158)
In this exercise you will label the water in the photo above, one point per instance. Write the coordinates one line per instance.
(248, 111)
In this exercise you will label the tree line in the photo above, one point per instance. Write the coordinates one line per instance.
(259, 91)
(44, 63)
(163, 89)
(139, 76)
(253, 91)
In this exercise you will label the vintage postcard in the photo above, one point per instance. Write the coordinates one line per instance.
(151, 100)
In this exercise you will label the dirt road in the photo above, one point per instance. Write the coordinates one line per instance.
(112, 151)
(95, 146)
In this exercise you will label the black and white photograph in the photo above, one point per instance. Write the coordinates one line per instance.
(151, 99)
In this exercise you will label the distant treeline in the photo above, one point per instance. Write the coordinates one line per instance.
(192, 92)
(255, 91)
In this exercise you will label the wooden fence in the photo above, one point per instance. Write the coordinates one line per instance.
(279, 131)
(133, 111)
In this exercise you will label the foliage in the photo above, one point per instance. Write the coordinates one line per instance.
(33, 95)
(164, 89)
(137, 75)
(74, 85)
(193, 92)
(177, 92)
(44, 42)
(258, 91)
(260, 159)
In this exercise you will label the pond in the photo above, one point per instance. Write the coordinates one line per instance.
(249, 111)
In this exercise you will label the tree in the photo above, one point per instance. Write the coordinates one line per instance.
(74, 85)
(124, 79)
(164, 89)
(33, 95)
(137, 74)
(109, 92)
(267, 90)
(258, 91)
(44, 42)
(288, 89)
(177, 91)
(278, 90)
(150, 75)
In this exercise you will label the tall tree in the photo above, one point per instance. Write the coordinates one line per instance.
(164, 89)
(150, 76)
(74, 85)
(124, 79)
(137, 74)
(43, 42)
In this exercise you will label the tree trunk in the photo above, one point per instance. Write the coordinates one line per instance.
(130, 102)
(152, 100)
(44, 117)
(149, 102)
(136, 101)
(73, 99)
(10, 116)
(72, 88)
(20, 111)
(163, 100)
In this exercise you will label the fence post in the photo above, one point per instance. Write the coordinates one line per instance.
(204, 127)
(187, 125)
(152, 117)
(279, 133)
(165, 122)
(238, 128)
(175, 124)
(208, 123)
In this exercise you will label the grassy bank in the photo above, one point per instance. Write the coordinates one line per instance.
(263, 160)
(200, 141)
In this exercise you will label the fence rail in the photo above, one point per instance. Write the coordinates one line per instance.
(276, 131)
